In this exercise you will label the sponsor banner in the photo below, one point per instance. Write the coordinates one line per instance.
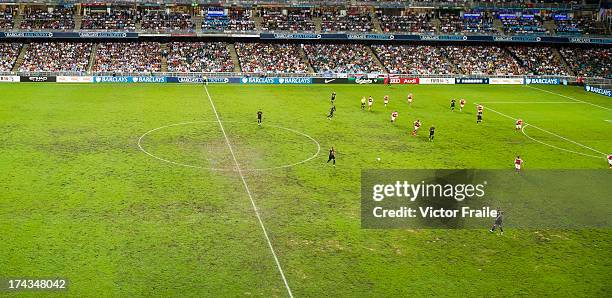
(9, 79)
(366, 81)
(393, 80)
(36, 79)
(436, 81)
(120, 79)
(543, 81)
(330, 81)
(291, 80)
(441, 38)
(506, 81)
(197, 80)
(602, 91)
(471, 81)
(42, 34)
(67, 79)
(468, 199)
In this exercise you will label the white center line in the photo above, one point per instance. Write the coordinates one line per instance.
(246, 187)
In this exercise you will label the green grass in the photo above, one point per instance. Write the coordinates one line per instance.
(79, 200)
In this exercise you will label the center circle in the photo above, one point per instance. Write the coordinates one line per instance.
(202, 145)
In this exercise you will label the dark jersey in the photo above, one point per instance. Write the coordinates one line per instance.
(452, 103)
(259, 114)
(499, 219)
(333, 97)
(332, 153)
(432, 130)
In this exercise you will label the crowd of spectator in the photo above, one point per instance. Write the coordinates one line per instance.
(160, 21)
(477, 22)
(450, 22)
(56, 56)
(6, 18)
(294, 20)
(580, 25)
(117, 19)
(128, 57)
(341, 58)
(524, 24)
(360, 22)
(236, 20)
(199, 57)
(488, 60)
(56, 19)
(8, 55)
(409, 22)
(589, 62)
(405, 59)
(266, 58)
(538, 60)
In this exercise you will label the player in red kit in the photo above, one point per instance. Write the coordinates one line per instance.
(461, 104)
(417, 125)
(386, 100)
(393, 116)
(610, 161)
(519, 124)
(410, 98)
(518, 162)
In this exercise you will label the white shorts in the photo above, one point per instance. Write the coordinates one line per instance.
(462, 106)
(370, 104)
(610, 162)
(416, 128)
(517, 166)
(519, 126)
(392, 118)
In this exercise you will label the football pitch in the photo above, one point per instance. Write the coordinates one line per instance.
(162, 190)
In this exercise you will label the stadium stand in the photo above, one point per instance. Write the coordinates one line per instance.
(118, 19)
(589, 62)
(55, 18)
(270, 58)
(8, 54)
(487, 60)
(341, 58)
(6, 17)
(348, 21)
(404, 59)
(409, 21)
(525, 23)
(160, 21)
(237, 20)
(538, 60)
(56, 56)
(126, 57)
(199, 57)
(294, 20)
(450, 22)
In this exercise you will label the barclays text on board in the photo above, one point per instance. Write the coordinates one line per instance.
(601, 91)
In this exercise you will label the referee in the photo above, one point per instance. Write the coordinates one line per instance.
(332, 156)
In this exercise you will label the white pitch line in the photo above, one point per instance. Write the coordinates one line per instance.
(569, 97)
(246, 187)
(533, 102)
(553, 146)
(552, 133)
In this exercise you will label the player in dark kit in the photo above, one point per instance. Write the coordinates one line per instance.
(333, 97)
(259, 115)
(332, 156)
(498, 222)
(453, 104)
(432, 130)
(479, 108)
(331, 112)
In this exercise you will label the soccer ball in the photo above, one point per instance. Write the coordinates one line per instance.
(378, 158)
